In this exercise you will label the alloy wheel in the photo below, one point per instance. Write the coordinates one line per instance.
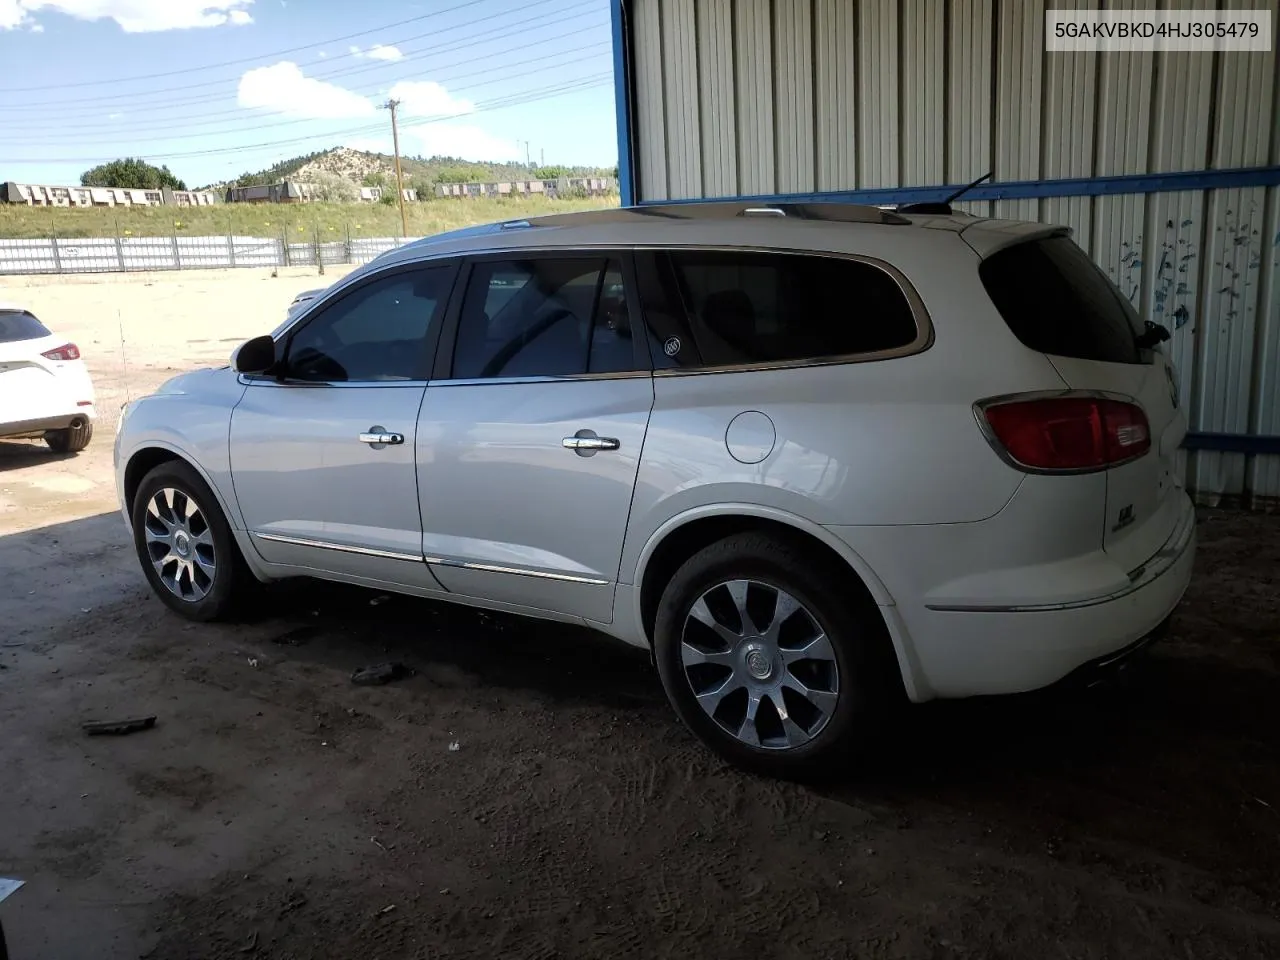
(760, 664)
(180, 544)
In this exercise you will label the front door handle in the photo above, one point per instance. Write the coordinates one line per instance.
(379, 437)
(585, 443)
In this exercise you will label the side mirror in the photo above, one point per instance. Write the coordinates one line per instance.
(255, 356)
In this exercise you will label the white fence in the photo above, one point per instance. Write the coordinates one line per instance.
(121, 254)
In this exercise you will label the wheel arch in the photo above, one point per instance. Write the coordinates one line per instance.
(156, 452)
(685, 534)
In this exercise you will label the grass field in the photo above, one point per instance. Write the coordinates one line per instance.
(301, 221)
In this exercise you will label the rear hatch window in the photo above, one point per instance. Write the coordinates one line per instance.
(19, 325)
(1056, 301)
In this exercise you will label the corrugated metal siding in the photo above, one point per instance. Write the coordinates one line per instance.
(793, 94)
(718, 138)
(749, 97)
(924, 115)
(681, 46)
(836, 61)
(753, 56)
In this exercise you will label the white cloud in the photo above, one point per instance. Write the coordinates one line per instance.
(282, 88)
(426, 98)
(465, 141)
(37, 28)
(134, 16)
(11, 14)
(377, 52)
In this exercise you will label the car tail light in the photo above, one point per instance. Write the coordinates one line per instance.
(1067, 432)
(68, 351)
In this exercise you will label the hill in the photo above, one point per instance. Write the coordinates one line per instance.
(360, 166)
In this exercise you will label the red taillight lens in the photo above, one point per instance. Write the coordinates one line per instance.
(68, 351)
(1068, 432)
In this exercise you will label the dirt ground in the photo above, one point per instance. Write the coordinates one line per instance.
(278, 811)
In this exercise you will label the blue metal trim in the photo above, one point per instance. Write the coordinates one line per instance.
(622, 99)
(1026, 189)
(1232, 443)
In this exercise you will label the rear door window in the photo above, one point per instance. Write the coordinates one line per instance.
(544, 317)
(1057, 301)
(746, 307)
(18, 325)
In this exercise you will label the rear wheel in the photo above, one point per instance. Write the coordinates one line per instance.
(777, 667)
(72, 439)
(185, 545)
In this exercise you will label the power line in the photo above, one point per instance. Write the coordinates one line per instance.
(203, 128)
(164, 98)
(243, 60)
(531, 96)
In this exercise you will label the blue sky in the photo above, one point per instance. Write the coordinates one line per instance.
(248, 82)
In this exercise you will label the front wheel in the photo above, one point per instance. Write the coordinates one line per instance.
(185, 545)
(773, 661)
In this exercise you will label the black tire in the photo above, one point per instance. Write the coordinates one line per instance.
(72, 439)
(869, 683)
(231, 583)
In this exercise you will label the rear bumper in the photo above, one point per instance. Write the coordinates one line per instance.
(36, 426)
(973, 650)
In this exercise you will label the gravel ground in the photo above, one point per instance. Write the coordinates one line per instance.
(527, 793)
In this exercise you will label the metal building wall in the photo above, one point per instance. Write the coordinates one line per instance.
(774, 97)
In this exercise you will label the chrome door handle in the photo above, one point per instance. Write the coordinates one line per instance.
(590, 443)
(379, 437)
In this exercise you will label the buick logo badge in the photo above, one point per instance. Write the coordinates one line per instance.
(671, 347)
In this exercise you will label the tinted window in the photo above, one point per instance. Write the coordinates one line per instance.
(376, 332)
(1057, 301)
(15, 325)
(745, 307)
(544, 318)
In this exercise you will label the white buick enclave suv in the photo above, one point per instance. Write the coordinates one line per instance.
(818, 459)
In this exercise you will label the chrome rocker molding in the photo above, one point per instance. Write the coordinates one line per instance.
(435, 561)
(517, 571)
(340, 547)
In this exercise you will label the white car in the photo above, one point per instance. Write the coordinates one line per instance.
(819, 459)
(303, 298)
(45, 390)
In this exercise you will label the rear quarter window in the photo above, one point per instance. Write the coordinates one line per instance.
(745, 307)
(1057, 301)
(19, 325)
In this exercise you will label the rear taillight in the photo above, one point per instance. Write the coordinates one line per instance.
(1067, 432)
(68, 351)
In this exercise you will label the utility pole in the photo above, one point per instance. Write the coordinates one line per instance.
(395, 140)
(528, 160)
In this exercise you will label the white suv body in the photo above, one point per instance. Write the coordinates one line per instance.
(45, 388)
(813, 456)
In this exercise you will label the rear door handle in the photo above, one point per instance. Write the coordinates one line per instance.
(379, 437)
(585, 443)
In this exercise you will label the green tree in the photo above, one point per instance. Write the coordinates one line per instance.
(552, 172)
(375, 178)
(458, 175)
(131, 173)
(332, 188)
